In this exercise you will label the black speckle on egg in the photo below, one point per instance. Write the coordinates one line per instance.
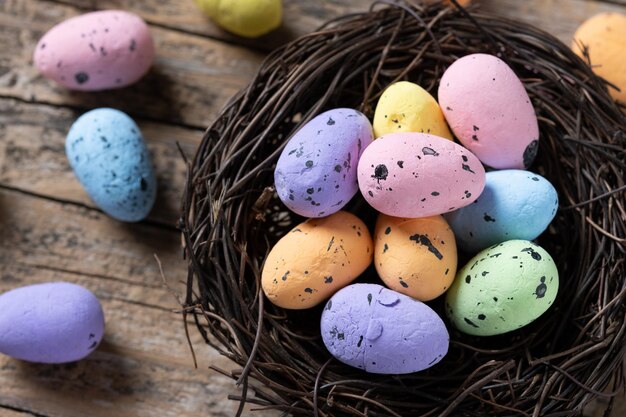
(429, 151)
(404, 284)
(468, 279)
(284, 277)
(388, 230)
(371, 194)
(81, 77)
(330, 121)
(310, 190)
(143, 184)
(328, 280)
(133, 45)
(338, 168)
(308, 290)
(385, 248)
(530, 153)
(471, 323)
(380, 173)
(434, 193)
(401, 164)
(369, 299)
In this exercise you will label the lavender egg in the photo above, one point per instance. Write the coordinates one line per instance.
(381, 331)
(55, 322)
(316, 174)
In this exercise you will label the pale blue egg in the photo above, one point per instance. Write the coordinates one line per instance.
(515, 204)
(109, 157)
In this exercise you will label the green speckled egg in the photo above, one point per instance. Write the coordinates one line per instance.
(503, 288)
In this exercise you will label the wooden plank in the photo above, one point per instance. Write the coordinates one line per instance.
(144, 367)
(190, 82)
(561, 18)
(299, 17)
(32, 155)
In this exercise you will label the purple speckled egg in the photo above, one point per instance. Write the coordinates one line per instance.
(382, 331)
(55, 322)
(316, 174)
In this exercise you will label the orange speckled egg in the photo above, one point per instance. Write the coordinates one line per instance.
(416, 257)
(605, 37)
(316, 259)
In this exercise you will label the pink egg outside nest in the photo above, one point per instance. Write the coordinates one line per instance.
(96, 51)
(489, 111)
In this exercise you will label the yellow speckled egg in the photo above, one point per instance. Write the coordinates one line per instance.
(605, 37)
(416, 257)
(316, 259)
(407, 107)
(249, 18)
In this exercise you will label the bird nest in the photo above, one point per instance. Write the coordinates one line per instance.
(231, 217)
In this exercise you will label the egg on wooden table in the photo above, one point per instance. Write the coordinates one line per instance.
(248, 18)
(416, 257)
(502, 288)
(315, 259)
(111, 161)
(489, 111)
(418, 175)
(382, 331)
(316, 174)
(55, 322)
(96, 51)
(604, 38)
(407, 107)
(515, 204)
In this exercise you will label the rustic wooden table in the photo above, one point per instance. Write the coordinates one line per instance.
(50, 230)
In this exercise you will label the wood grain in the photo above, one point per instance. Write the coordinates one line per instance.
(190, 82)
(32, 155)
(50, 230)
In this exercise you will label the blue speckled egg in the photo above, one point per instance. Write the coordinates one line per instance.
(109, 157)
(515, 204)
(316, 174)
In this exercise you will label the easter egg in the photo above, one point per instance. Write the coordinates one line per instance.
(407, 107)
(55, 322)
(382, 331)
(249, 18)
(416, 257)
(489, 111)
(515, 204)
(96, 51)
(418, 175)
(316, 174)
(503, 288)
(110, 159)
(315, 259)
(604, 37)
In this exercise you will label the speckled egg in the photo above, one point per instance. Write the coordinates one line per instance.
(96, 51)
(315, 259)
(407, 107)
(109, 157)
(515, 204)
(316, 174)
(55, 322)
(489, 111)
(382, 331)
(503, 288)
(249, 18)
(604, 36)
(419, 175)
(416, 257)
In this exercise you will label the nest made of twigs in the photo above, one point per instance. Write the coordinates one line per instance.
(231, 218)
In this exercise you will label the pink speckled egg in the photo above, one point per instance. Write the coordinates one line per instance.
(418, 175)
(96, 51)
(489, 111)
